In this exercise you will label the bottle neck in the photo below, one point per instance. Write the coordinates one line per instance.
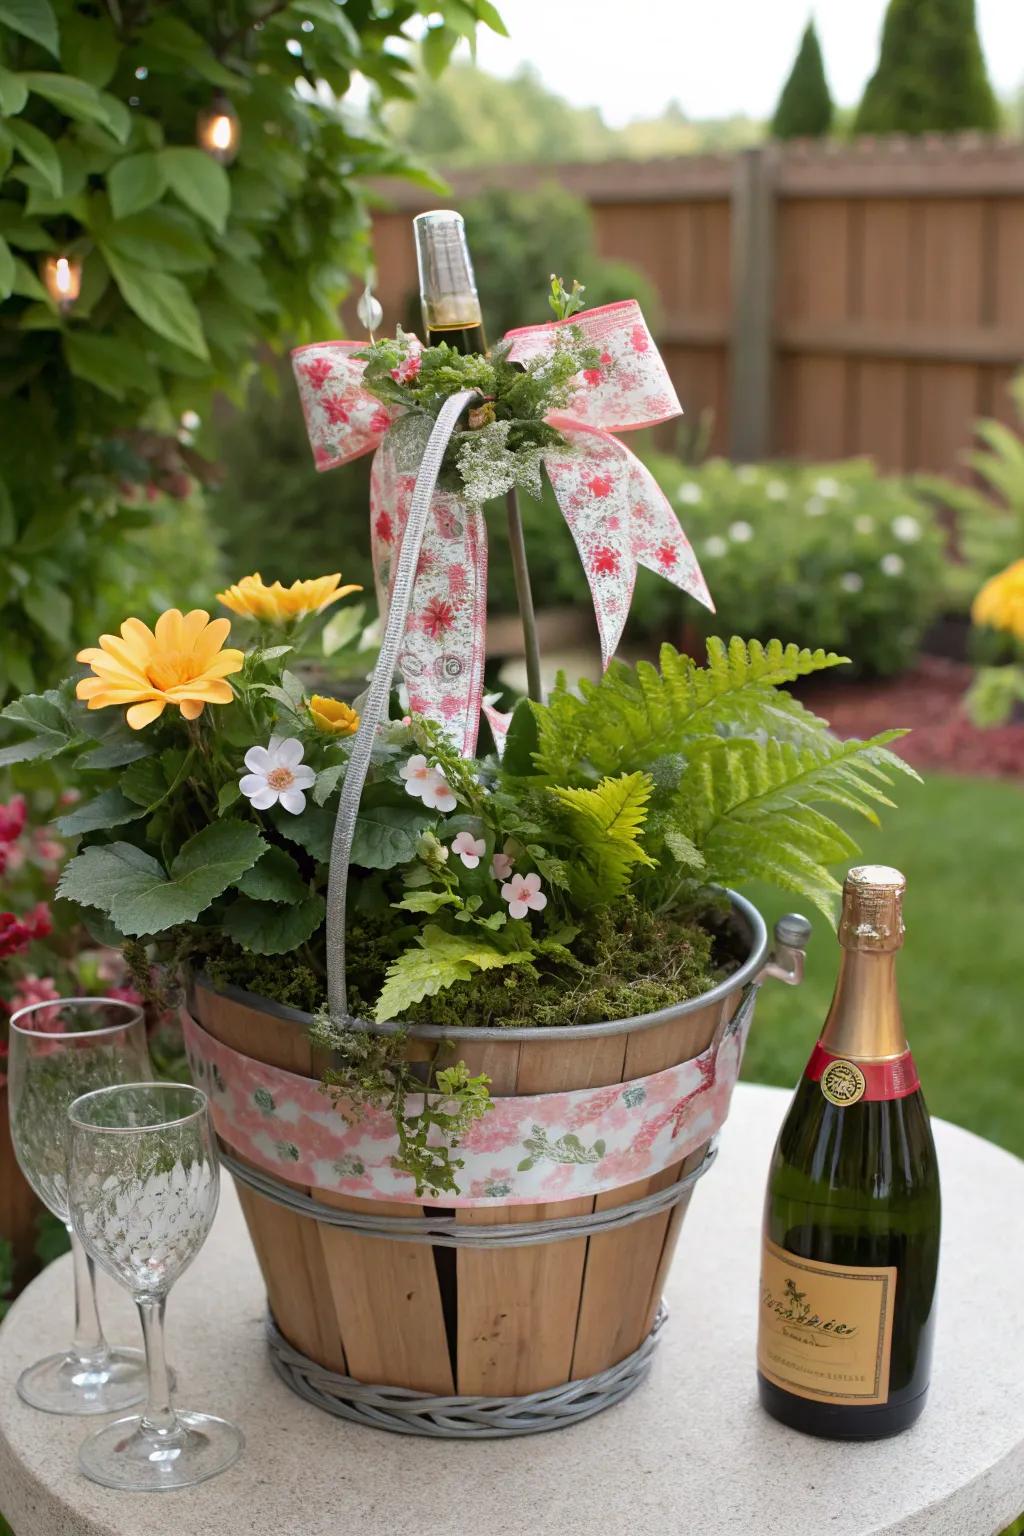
(864, 1021)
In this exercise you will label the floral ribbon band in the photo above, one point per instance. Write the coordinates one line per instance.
(618, 515)
(528, 1150)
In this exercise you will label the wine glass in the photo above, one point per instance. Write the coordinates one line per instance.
(143, 1183)
(59, 1050)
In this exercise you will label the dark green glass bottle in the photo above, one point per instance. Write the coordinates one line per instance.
(851, 1221)
(448, 296)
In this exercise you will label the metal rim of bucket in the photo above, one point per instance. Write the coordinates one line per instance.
(749, 918)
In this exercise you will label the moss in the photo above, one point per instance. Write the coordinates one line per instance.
(626, 963)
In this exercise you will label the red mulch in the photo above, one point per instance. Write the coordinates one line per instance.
(928, 701)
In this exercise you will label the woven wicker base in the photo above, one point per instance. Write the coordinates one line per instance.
(460, 1418)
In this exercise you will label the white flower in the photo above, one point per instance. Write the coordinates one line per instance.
(523, 894)
(815, 507)
(864, 523)
(502, 864)
(470, 849)
(276, 774)
(690, 492)
(826, 486)
(741, 532)
(715, 546)
(776, 490)
(747, 474)
(892, 565)
(851, 581)
(906, 528)
(427, 784)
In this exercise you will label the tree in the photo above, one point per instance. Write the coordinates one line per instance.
(805, 106)
(931, 74)
(188, 266)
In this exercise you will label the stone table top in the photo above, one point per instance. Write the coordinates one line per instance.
(689, 1454)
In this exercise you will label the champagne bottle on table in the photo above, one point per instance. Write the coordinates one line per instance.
(851, 1223)
(451, 308)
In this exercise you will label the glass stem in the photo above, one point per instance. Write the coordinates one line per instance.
(159, 1417)
(89, 1346)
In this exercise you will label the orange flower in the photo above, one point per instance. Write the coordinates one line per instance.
(333, 716)
(276, 604)
(180, 661)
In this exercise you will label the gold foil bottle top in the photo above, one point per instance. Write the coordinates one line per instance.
(447, 285)
(872, 918)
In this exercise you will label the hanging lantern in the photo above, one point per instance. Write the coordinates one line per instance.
(218, 131)
(62, 279)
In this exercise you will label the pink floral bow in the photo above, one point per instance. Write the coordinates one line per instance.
(616, 510)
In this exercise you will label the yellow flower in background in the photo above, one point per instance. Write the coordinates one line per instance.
(276, 604)
(333, 716)
(1000, 603)
(179, 661)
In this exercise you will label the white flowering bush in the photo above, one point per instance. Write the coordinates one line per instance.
(835, 552)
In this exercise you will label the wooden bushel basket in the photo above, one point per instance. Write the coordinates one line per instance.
(467, 1321)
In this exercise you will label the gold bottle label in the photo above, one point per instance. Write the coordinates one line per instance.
(825, 1330)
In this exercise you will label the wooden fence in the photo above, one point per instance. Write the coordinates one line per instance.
(820, 301)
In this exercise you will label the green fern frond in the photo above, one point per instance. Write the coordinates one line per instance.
(635, 714)
(606, 825)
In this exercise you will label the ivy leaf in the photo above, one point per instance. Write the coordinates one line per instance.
(89, 48)
(266, 928)
(42, 715)
(78, 99)
(13, 93)
(140, 897)
(162, 302)
(201, 183)
(274, 877)
(37, 149)
(111, 363)
(161, 237)
(34, 19)
(387, 835)
(439, 960)
(135, 182)
(110, 809)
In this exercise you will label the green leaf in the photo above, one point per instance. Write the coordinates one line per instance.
(42, 716)
(13, 93)
(141, 898)
(202, 184)
(490, 17)
(135, 182)
(268, 929)
(6, 270)
(428, 901)
(110, 809)
(28, 285)
(176, 38)
(144, 782)
(161, 237)
(438, 960)
(78, 99)
(607, 824)
(313, 830)
(112, 363)
(227, 795)
(49, 608)
(89, 47)
(33, 19)
(387, 835)
(162, 302)
(37, 149)
(438, 43)
(8, 521)
(275, 877)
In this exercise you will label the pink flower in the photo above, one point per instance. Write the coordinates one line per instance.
(125, 995)
(317, 372)
(70, 796)
(407, 369)
(40, 921)
(12, 819)
(427, 784)
(47, 848)
(14, 936)
(470, 849)
(523, 894)
(334, 407)
(502, 864)
(36, 989)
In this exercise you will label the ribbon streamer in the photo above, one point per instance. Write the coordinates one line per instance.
(618, 515)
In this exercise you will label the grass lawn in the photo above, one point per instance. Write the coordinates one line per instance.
(960, 843)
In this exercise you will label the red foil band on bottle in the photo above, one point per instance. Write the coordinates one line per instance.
(893, 1079)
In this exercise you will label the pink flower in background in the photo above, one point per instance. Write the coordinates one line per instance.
(70, 796)
(125, 995)
(501, 866)
(317, 372)
(12, 819)
(36, 989)
(14, 936)
(407, 369)
(40, 921)
(47, 848)
(470, 849)
(523, 894)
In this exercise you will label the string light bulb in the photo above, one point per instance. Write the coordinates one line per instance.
(218, 131)
(62, 279)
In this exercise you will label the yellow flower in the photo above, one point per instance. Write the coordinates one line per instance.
(180, 661)
(277, 604)
(333, 716)
(1000, 603)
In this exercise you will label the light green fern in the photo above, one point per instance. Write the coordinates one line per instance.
(637, 714)
(606, 824)
(436, 961)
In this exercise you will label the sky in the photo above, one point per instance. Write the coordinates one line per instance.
(715, 57)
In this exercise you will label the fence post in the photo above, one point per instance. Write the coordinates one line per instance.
(753, 293)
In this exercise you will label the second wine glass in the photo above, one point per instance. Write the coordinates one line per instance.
(57, 1051)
